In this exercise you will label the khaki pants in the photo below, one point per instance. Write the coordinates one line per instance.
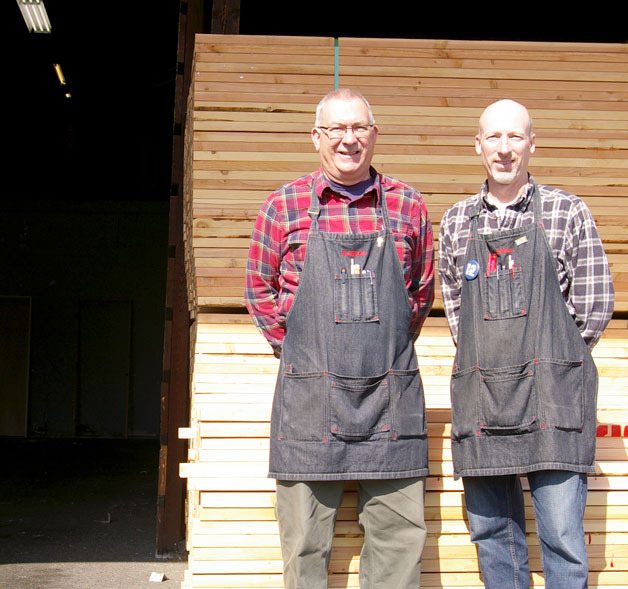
(390, 512)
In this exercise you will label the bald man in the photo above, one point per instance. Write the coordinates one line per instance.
(527, 292)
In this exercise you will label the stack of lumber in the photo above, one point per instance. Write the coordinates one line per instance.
(253, 108)
(232, 533)
(250, 112)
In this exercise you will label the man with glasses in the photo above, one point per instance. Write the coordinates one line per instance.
(340, 278)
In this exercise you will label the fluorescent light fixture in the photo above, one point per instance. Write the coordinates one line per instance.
(59, 73)
(35, 16)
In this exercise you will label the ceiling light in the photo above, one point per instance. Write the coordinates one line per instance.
(59, 73)
(35, 16)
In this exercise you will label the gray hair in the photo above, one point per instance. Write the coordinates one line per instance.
(342, 94)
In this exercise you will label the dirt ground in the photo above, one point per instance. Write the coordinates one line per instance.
(81, 514)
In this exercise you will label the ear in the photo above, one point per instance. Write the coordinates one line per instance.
(478, 146)
(315, 134)
(532, 143)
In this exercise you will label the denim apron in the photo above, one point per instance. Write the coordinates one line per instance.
(524, 384)
(348, 401)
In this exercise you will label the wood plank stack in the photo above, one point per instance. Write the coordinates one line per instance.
(250, 112)
(233, 537)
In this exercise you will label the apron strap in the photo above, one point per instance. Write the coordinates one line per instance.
(315, 209)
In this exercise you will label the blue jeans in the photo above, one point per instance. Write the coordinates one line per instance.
(496, 515)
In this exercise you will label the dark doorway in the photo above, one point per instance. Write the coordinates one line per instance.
(15, 329)
(104, 368)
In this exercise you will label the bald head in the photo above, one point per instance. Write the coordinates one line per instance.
(505, 140)
(506, 109)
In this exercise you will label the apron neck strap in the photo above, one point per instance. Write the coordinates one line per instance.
(314, 210)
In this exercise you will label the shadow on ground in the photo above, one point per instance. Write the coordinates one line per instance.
(81, 514)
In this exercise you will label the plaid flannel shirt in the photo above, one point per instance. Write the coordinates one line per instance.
(581, 263)
(278, 244)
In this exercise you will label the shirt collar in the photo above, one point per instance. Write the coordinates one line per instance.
(520, 203)
(322, 185)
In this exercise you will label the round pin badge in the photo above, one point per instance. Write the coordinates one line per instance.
(471, 270)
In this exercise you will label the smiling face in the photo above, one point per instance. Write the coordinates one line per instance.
(505, 141)
(345, 160)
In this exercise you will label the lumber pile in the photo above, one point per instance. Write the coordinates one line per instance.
(232, 534)
(253, 108)
(250, 111)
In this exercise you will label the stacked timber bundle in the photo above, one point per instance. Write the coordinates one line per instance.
(250, 115)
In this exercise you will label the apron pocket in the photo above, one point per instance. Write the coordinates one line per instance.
(561, 393)
(504, 295)
(465, 386)
(303, 406)
(504, 291)
(507, 399)
(355, 298)
(359, 407)
(408, 402)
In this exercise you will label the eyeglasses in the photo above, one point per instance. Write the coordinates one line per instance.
(336, 133)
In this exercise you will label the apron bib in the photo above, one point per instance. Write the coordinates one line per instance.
(349, 400)
(524, 385)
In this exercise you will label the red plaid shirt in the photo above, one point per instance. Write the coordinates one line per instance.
(278, 244)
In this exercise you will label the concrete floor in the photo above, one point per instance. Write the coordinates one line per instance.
(81, 514)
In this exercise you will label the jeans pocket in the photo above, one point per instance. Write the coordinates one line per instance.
(507, 399)
(303, 406)
(561, 392)
(359, 407)
(408, 403)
